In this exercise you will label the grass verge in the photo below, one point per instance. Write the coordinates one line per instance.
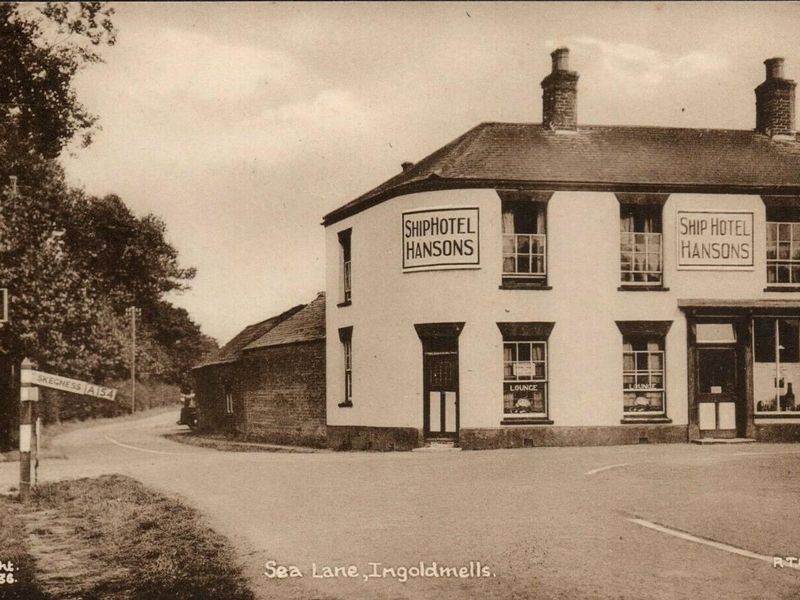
(111, 537)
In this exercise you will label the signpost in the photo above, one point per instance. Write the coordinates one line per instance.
(28, 394)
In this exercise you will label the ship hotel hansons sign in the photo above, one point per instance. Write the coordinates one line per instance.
(441, 238)
(715, 240)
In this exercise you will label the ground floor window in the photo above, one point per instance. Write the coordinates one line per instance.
(776, 369)
(346, 337)
(643, 374)
(525, 378)
(228, 401)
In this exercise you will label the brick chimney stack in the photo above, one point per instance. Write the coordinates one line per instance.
(775, 102)
(560, 94)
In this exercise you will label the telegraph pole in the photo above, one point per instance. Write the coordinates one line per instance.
(133, 310)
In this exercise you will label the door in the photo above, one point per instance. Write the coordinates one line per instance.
(440, 368)
(718, 394)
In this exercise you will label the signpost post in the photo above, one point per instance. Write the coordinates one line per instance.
(30, 379)
(28, 394)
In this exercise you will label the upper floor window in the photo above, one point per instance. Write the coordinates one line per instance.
(345, 265)
(640, 245)
(783, 245)
(524, 240)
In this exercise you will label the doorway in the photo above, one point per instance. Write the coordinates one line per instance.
(440, 393)
(718, 392)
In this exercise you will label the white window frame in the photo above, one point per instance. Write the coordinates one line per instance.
(793, 245)
(536, 245)
(649, 373)
(777, 363)
(347, 350)
(345, 264)
(543, 380)
(653, 244)
(228, 401)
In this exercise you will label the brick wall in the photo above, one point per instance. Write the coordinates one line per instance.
(560, 100)
(775, 107)
(210, 384)
(283, 394)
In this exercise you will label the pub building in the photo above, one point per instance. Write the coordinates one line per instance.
(557, 283)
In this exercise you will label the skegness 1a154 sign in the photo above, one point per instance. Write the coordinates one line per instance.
(714, 240)
(441, 238)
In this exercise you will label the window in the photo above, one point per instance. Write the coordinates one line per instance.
(776, 369)
(525, 393)
(346, 337)
(642, 374)
(783, 245)
(524, 239)
(640, 244)
(345, 265)
(525, 378)
(228, 400)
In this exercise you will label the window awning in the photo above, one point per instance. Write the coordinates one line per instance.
(711, 306)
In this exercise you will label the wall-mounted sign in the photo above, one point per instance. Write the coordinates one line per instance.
(714, 240)
(441, 238)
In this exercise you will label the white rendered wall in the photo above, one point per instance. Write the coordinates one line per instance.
(585, 347)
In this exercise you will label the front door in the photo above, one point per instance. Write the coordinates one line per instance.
(440, 367)
(718, 394)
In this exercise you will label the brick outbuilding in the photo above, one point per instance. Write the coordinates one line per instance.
(268, 383)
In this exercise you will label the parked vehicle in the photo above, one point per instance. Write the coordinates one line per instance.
(188, 411)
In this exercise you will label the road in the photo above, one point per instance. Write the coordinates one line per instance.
(640, 522)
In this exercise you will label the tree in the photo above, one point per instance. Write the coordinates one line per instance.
(42, 48)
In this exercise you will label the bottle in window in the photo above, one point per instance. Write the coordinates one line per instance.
(787, 401)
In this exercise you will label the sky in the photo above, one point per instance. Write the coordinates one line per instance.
(243, 124)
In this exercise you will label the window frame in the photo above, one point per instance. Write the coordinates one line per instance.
(777, 361)
(346, 339)
(536, 248)
(533, 379)
(228, 400)
(345, 266)
(651, 240)
(649, 372)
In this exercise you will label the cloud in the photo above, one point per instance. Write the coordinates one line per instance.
(631, 64)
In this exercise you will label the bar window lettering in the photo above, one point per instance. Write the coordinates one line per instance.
(525, 378)
(640, 244)
(776, 369)
(524, 241)
(643, 374)
(783, 246)
(345, 265)
(346, 337)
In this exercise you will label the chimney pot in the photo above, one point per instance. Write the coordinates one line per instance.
(774, 68)
(560, 58)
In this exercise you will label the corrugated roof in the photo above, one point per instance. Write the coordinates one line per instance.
(231, 352)
(306, 325)
(614, 158)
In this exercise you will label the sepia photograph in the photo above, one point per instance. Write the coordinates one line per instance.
(399, 300)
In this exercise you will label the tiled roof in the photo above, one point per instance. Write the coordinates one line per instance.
(305, 325)
(595, 157)
(231, 352)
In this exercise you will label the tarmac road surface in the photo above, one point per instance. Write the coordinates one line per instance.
(639, 522)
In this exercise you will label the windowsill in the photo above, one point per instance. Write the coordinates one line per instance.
(526, 421)
(345, 303)
(780, 415)
(642, 288)
(782, 288)
(631, 420)
(345, 404)
(524, 285)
